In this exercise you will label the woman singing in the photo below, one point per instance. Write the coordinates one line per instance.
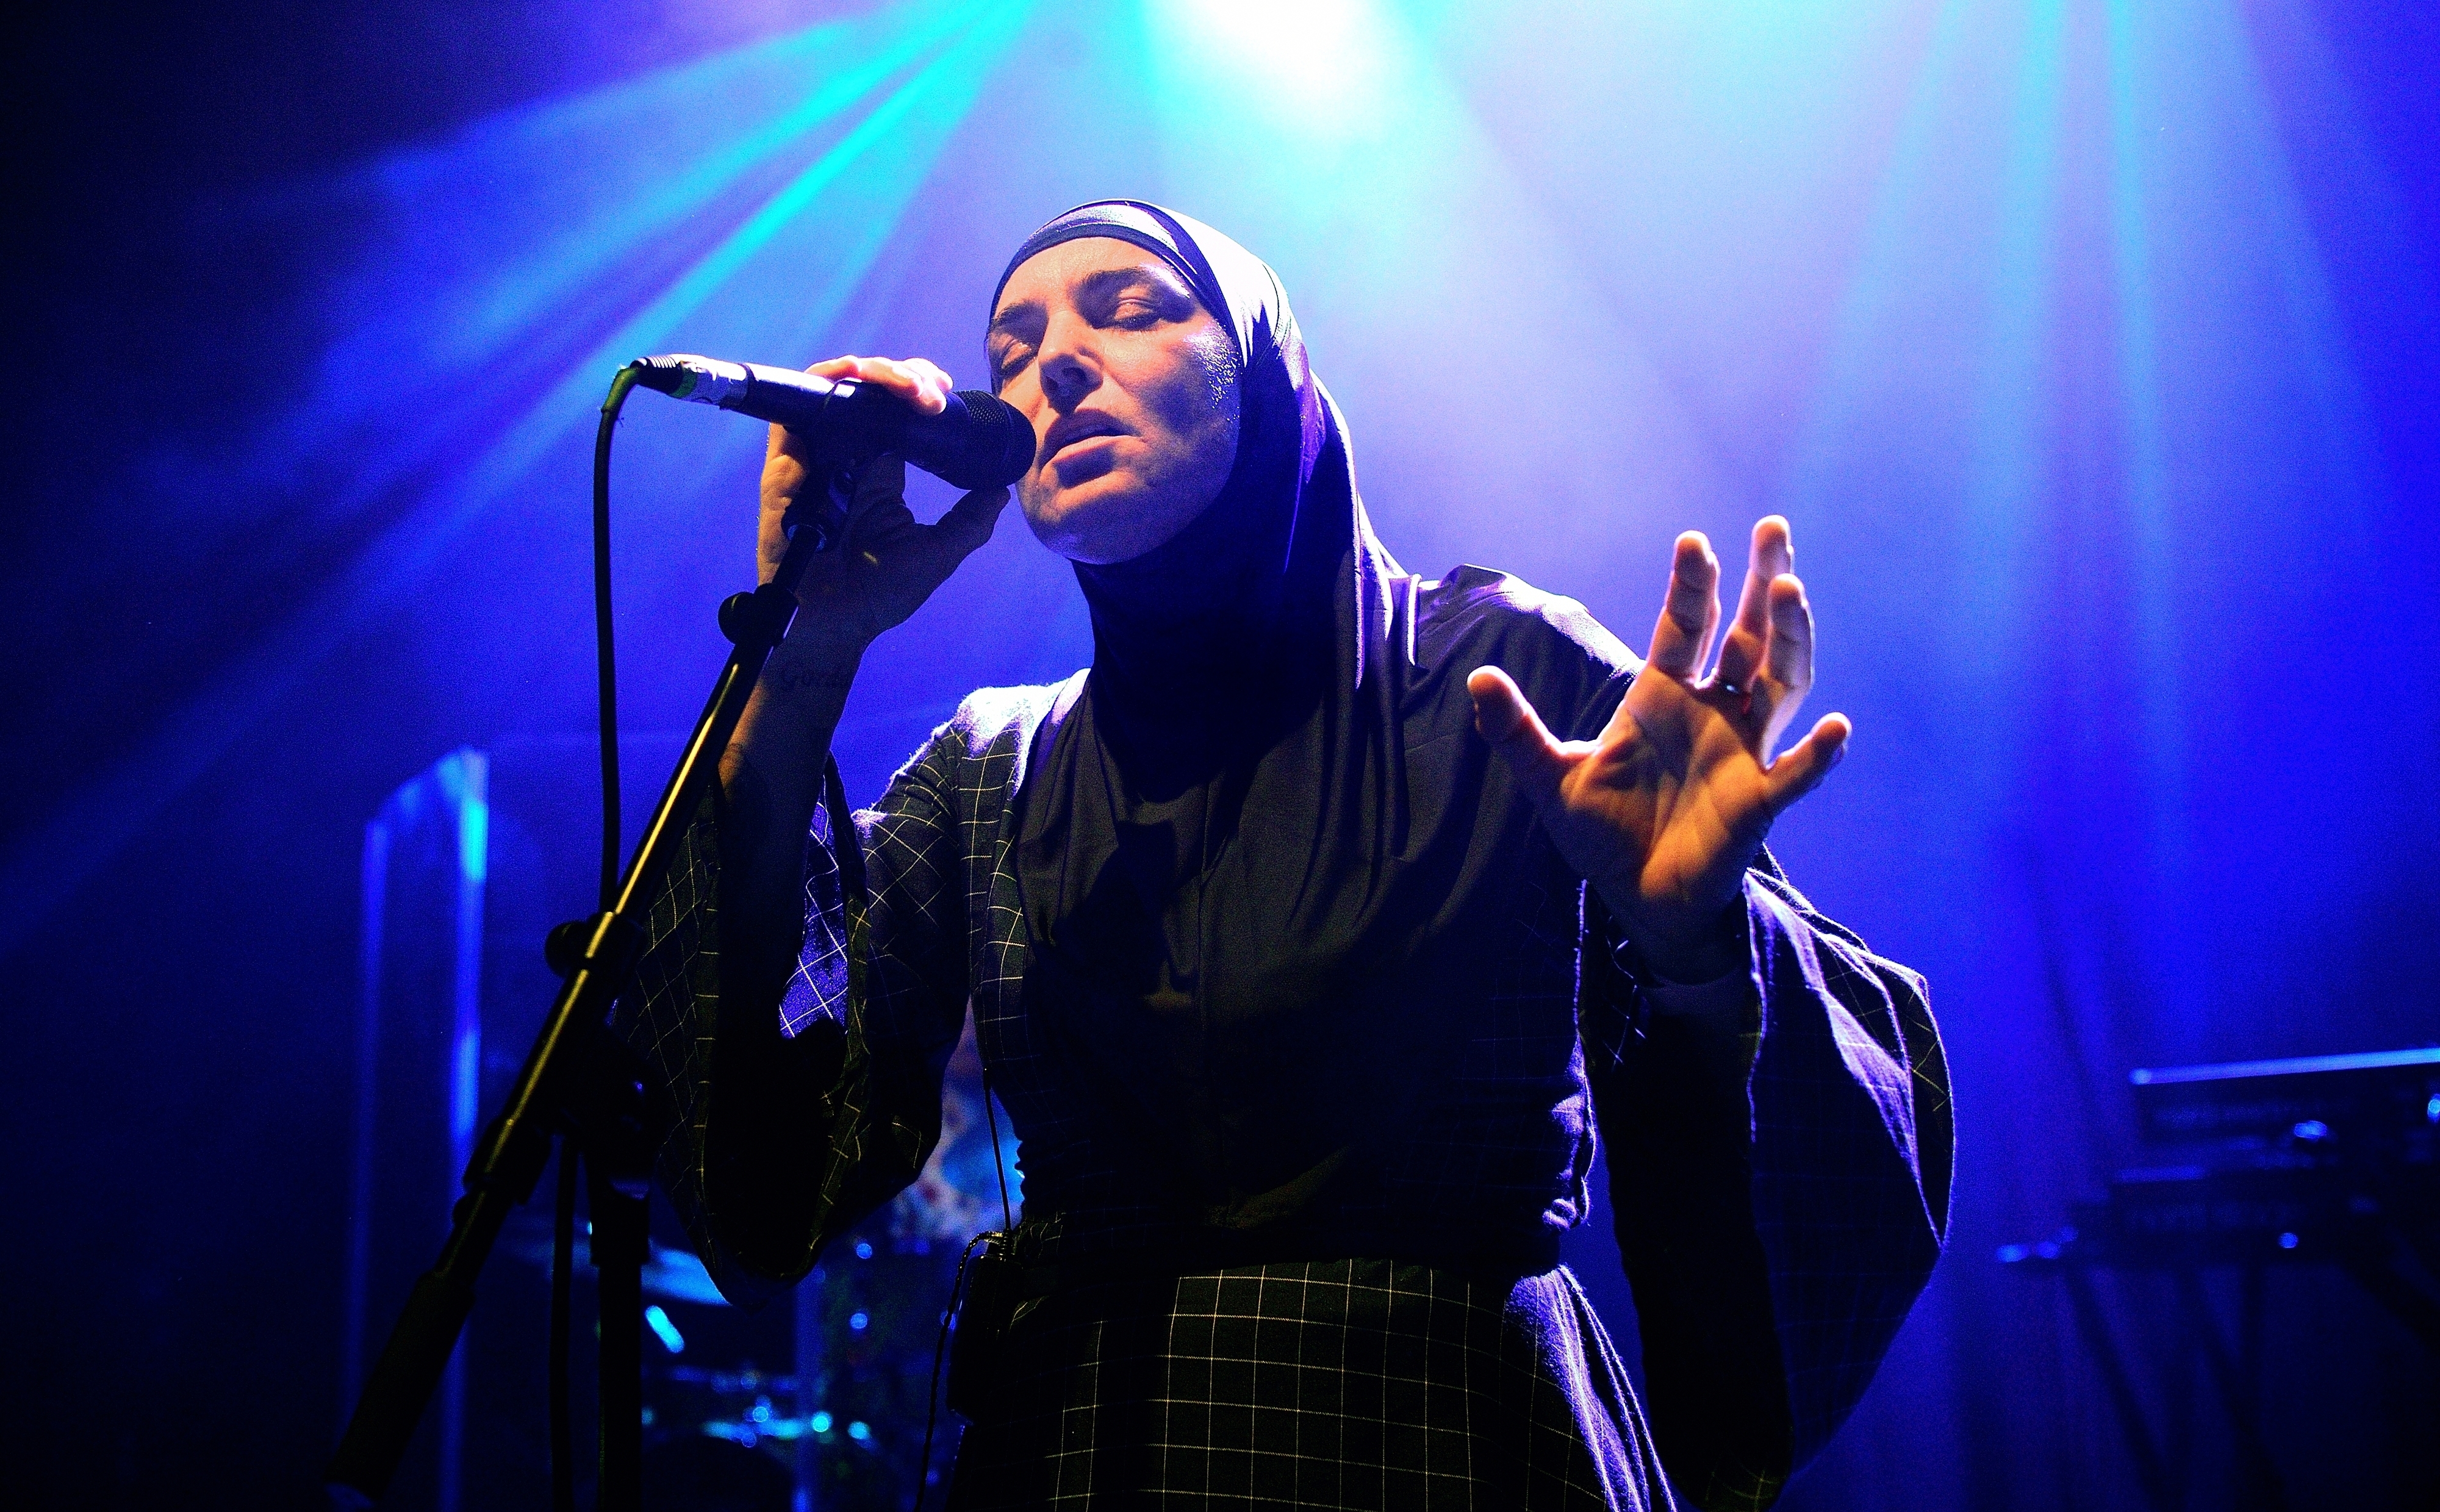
(1312, 936)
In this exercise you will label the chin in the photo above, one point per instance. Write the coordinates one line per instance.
(1102, 520)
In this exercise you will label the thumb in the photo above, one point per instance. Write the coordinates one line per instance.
(1509, 723)
(971, 519)
(961, 531)
(1800, 768)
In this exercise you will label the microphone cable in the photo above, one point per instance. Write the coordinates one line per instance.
(958, 1285)
(604, 655)
(851, 877)
(562, 1227)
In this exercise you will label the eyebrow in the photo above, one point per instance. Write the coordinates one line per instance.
(1102, 281)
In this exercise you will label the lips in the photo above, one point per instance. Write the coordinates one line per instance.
(1068, 429)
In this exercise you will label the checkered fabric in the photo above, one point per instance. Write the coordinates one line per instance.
(1780, 1193)
(1343, 1383)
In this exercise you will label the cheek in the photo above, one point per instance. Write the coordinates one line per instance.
(1198, 405)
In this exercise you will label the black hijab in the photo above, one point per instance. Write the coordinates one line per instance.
(1237, 856)
(1255, 582)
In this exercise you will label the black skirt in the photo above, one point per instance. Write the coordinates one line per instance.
(1341, 1384)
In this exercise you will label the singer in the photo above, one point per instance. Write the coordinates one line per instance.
(1312, 936)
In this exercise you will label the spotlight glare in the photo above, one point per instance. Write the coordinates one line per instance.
(1333, 71)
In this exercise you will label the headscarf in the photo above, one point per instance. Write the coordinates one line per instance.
(1254, 581)
(1231, 901)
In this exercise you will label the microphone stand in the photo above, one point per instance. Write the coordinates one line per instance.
(583, 1083)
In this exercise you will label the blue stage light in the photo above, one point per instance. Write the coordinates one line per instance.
(664, 1329)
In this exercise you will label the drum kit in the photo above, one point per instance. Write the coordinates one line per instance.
(847, 1422)
(848, 1416)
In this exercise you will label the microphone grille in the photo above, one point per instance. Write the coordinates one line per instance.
(1001, 448)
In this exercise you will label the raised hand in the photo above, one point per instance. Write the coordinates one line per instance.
(1665, 812)
(889, 564)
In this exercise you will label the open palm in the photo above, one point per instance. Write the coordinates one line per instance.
(1666, 809)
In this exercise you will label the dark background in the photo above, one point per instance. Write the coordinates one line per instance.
(2115, 482)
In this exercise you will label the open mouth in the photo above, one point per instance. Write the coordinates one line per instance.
(1074, 430)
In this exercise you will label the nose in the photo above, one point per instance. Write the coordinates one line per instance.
(1068, 363)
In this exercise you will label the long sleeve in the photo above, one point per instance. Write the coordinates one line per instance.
(1779, 1184)
(803, 1075)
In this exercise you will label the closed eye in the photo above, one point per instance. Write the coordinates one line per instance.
(1143, 295)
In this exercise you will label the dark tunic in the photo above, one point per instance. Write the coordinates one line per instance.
(1305, 1029)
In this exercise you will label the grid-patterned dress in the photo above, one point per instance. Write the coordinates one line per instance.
(1780, 1193)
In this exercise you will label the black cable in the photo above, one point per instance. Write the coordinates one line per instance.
(999, 1166)
(940, 1350)
(1008, 1221)
(563, 1264)
(563, 1246)
(605, 664)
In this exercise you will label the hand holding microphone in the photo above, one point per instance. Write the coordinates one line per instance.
(876, 415)
(890, 563)
(879, 413)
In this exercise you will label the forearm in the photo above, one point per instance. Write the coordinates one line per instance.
(771, 781)
(764, 1118)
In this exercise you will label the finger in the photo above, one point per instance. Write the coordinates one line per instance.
(934, 382)
(972, 518)
(1787, 658)
(1504, 717)
(1770, 554)
(784, 443)
(919, 383)
(1785, 675)
(1683, 635)
(1800, 768)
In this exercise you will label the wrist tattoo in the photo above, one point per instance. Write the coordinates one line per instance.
(810, 679)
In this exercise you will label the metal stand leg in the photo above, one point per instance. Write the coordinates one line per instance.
(620, 1240)
(575, 1061)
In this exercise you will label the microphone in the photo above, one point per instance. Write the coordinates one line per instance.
(979, 441)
